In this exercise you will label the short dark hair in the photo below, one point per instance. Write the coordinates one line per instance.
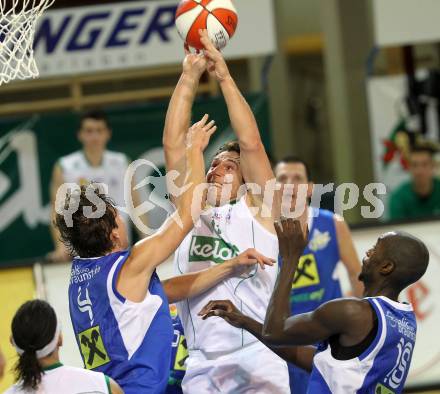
(33, 327)
(231, 146)
(292, 159)
(87, 237)
(95, 114)
(424, 148)
(410, 255)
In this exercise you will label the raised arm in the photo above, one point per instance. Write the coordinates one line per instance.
(193, 284)
(178, 116)
(148, 253)
(254, 162)
(349, 318)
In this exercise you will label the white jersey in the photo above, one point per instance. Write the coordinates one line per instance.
(67, 380)
(220, 234)
(77, 169)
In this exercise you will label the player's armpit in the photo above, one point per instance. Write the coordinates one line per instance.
(114, 387)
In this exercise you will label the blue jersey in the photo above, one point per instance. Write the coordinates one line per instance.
(179, 354)
(128, 341)
(314, 282)
(382, 367)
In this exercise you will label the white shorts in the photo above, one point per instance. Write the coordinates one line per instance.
(252, 369)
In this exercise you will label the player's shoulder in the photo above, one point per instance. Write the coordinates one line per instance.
(325, 213)
(71, 158)
(81, 373)
(16, 389)
(325, 216)
(348, 307)
(402, 190)
(117, 157)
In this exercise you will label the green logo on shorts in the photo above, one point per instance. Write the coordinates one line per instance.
(381, 389)
(208, 248)
(92, 348)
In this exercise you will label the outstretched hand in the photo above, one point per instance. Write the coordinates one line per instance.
(224, 309)
(200, 132)
(217, 66)
(249, 258)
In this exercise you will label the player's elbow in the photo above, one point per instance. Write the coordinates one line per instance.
(272, 339)
(272, 336)
(252, 143)
(170, 291)
(169, 144)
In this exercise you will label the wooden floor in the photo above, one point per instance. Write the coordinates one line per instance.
(16, 287)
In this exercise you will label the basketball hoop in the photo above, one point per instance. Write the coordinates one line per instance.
(18, 19)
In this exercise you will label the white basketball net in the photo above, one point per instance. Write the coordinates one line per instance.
(18, 19)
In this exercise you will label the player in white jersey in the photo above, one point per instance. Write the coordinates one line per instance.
(365, 345)
(222, 358)
(93, 163)
(36, 336)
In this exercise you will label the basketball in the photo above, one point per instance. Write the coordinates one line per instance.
(219, 17)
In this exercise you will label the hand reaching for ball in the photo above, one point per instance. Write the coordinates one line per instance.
(194, 64)
(217, 66)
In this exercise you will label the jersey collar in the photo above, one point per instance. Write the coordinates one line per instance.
(52, 366)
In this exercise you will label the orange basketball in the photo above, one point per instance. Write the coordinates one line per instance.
(219, 17)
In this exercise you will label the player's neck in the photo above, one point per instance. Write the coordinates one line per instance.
(50, 361)
(423, 189)
(94, 157)
(381, 289)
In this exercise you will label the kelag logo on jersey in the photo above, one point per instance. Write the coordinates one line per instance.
(208, 248)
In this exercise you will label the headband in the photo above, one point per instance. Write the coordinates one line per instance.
(48, 349)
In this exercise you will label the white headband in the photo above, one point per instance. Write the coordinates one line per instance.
(48, 349)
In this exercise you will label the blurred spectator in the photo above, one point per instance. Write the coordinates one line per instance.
(36, 336)
(93, 163)
(419, 197)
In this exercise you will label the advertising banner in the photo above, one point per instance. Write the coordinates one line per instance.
(136, 34)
